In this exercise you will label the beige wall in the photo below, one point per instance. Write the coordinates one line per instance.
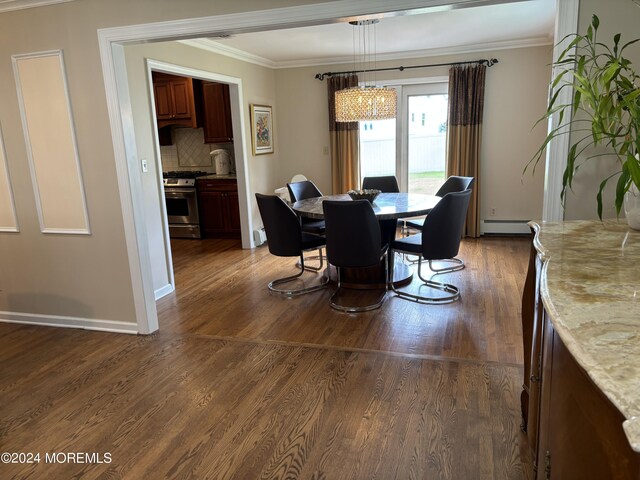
(616, 16)
(515, 97)
(303, 123)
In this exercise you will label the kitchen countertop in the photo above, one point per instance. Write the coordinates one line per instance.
(590, 288)
(213, 176)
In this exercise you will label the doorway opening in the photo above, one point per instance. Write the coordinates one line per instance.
(194, 164)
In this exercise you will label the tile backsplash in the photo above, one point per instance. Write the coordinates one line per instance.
(189, 152)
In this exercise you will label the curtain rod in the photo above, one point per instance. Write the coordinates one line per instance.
(483, 61)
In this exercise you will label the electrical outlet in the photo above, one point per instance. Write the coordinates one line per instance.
(325, 150)
(145, 165)
(493, 211)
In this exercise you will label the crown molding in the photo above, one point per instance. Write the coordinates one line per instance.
(215, 47)
(221, 49)
(10, 5)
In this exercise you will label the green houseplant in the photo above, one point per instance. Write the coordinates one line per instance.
(604, 112)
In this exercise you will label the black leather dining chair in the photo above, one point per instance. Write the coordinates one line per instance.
(285, 238)
(301, 191)
(439, 240)
(386, 184)
(353, 241)
(452, 184)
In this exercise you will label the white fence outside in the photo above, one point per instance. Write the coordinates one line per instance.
(427, 153)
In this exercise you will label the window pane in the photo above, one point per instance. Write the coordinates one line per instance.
(427, 142)
(378, 148)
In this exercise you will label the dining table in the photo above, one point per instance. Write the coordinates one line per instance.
(388, 208)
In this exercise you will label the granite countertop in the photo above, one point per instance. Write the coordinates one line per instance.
(213, 176)
(590, 287)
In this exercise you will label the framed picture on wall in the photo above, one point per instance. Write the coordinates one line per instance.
(261, 129)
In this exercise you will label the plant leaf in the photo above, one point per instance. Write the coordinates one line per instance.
(599, 197)
(622, 186)
(628, 44)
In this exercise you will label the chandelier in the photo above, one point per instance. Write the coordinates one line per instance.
(368, 102)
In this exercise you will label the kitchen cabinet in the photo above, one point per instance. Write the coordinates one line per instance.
(216, 109)
(175, 100)
(219, 208)
(574, 429)
(580, 432)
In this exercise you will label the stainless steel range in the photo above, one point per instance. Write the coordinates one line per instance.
(181, 199)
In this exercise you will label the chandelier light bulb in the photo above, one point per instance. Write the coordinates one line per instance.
(365, 103)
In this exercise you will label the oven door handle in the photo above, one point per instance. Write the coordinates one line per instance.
(178, 192)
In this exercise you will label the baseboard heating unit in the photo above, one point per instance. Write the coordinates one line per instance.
(504, 227)
(259, 236)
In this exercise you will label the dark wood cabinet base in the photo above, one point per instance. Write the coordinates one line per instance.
(219, 208)
(574, 430)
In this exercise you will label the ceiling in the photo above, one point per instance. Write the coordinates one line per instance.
(506, 25)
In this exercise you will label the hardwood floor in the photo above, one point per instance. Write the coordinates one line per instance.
(485, 325)
(242, 384)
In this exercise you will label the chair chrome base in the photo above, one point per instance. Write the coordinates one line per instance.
(353, 308)
(444, 287)
(458, 264)
(300, 291)
(318, 257)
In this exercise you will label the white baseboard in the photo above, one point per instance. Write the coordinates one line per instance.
(69, 322)
(162, 291)
(504, 227)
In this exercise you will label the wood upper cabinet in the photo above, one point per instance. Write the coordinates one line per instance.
(175, 100)
(216, 109)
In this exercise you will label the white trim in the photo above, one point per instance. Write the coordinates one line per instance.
(160, 66)
(221, 49)
(163, 291)
(166, 238)
(504, 227)
(119, 108)
(11, 5)
(558, 148)
(68, 322)
(27, 138)
(66, 231)
(5, 166)
(110, 41)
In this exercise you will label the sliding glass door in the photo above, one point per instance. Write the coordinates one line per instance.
(425, 137)
(418, 159)
(378, 148)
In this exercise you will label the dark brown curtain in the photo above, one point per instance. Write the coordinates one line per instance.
(464, 131)
(344, 140)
